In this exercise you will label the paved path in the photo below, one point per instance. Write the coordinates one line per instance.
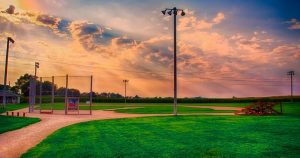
(15, 143)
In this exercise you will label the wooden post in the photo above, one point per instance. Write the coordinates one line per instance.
(23, 114)
(12, 113)
(7, 113)
(17, 113)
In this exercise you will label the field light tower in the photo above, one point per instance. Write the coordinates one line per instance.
(174, 11)
(291, 73)
(125, 82)
(36, 66)
(9, 40)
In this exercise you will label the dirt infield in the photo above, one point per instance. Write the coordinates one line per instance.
(15, 143)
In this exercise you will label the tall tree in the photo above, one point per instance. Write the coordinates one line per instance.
(23, 84)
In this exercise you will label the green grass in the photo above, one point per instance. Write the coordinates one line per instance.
(11, 107)
(169, 110)
(151, 108)
(181, 136)
(8, 123)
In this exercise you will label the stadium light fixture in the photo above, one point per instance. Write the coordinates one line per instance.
(174, 11)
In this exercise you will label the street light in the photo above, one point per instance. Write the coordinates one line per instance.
(36, 66)
(174, 11)
(9, 39)
(125, 82)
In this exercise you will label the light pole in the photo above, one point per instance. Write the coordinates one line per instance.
(125, 82)
(291, 73)
(9, 39)
(36, 66)
(174, 11)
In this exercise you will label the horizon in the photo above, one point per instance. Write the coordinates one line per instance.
(224, 49)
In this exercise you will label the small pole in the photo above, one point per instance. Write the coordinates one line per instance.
(41, 89)
(125, 82)
(52, 93)
(9, 39)
(91, 95)
(291, 73)
(66, 95)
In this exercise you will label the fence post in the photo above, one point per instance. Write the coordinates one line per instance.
(91, 95)
(52, 93)
(41, 89)
(66, 96)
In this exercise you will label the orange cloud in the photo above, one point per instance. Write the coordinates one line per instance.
(192, 22)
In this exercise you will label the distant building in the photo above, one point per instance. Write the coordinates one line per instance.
(11, 97)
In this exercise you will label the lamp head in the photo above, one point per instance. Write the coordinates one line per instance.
(37, 64)
(10, 40)
(170, 12)
(164, 12)
(182, 13)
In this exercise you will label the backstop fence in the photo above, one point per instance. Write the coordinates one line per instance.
(61, 94)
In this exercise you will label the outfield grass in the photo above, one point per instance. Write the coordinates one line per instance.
(169, 110)
(151, 108)
(181, 136)
(8, 123)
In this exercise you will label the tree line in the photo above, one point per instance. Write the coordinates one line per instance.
(22, 85)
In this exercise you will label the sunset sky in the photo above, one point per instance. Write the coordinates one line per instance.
(225, 47)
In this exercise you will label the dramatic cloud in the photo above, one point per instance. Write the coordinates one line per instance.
(210, 62)
(192, 21)
(10, 10)
(295, 24)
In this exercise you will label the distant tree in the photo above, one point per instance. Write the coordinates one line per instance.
(104, 95)
(71, 92)
(60, 91)
(15, 89)
(136, 97)
(23, 84)
(47, 88)
(115, 95)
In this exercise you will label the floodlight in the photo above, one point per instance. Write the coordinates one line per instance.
(175, 12)
(164, 12)
(10, 39)
(182, 13)
(170, 12)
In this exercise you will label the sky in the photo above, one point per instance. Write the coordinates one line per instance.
(225, 48)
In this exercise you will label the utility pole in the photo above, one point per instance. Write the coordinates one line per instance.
(174, 11)
(291, 73)
(125, 82)
(9, 39)
(36, 66)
